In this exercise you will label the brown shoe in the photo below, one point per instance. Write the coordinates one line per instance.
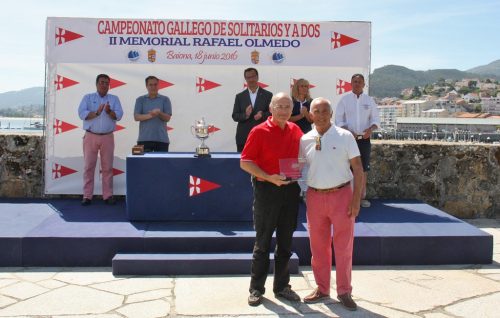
(315, 296)
(347, 302)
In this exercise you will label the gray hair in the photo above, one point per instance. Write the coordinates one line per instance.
(278, 96)
(321, 100)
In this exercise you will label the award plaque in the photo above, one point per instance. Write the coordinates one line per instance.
(201, 130)
(291, 168)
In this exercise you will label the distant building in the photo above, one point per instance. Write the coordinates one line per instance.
(491, 105)
(448, 124)
(472, 98)
(414, 108)
(388, 114)
(435, 113)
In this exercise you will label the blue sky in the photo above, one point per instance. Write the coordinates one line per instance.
(421, 35)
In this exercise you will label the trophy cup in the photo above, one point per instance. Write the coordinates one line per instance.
(201, 130)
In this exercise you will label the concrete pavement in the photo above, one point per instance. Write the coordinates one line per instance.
(380, 291)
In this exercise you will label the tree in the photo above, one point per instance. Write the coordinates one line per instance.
(416, 92)
(472, 84)
(477, 108)
(464, 90)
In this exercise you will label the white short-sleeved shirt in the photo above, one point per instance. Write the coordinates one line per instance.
(330, 166)
(357, 114)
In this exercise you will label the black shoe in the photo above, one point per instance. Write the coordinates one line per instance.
(347, 302)
(86, 202)
(288, 294)
(255, 298)
(110, 201)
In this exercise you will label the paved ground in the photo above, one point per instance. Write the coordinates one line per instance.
(382, 291)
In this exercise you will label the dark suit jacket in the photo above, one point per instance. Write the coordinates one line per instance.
(241, 102)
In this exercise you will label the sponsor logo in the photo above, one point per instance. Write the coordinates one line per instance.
(152, 55)
(255, 56)
(278, 57)
(133, 55)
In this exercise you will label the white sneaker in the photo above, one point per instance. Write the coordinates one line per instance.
(365, 203)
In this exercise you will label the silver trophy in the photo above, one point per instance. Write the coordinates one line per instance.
(201, 130)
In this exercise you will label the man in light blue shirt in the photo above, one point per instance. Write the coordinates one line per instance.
(153, 111)
(99, 111)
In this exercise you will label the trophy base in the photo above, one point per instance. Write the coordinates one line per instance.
(202, 152)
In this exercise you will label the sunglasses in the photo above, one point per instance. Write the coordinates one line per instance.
(318, 143)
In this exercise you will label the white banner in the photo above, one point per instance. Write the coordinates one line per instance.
(197, 88)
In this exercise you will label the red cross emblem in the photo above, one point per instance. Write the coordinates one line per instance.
(199, 185)
(205, 85)
(63, 36)
(59, 171)
(63, 82)
(338, 40)
(343, 87)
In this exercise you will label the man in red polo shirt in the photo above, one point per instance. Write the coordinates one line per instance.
(276, 200)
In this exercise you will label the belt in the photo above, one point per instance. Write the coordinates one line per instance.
(100, 134)
(331, 189)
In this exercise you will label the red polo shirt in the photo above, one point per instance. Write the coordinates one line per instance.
(267, 143)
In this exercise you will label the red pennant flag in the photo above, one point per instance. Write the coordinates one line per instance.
(205, 85)
(63, 82)
(114, 83)
(63, 36)
(338, 40)
(168, 128)
(199, 185)
(117, 172)
(343, 87)
(62, 126)
(59, 171)
(119, 127)
(164, 84)
(212, 129)
(261, 85)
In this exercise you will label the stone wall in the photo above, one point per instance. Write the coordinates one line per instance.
(461, 179)
(21, 165)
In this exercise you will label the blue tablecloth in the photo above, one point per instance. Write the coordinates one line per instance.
(180, 187)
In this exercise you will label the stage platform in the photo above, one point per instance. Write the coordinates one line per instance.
(63, 233)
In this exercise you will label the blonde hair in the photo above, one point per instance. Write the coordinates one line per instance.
(295, 89)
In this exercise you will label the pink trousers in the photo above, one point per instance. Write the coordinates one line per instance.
(323, 211)
(92, 146)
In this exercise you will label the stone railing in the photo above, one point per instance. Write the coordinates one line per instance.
(461, 179)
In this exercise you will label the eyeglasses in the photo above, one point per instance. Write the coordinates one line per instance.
(318, 143)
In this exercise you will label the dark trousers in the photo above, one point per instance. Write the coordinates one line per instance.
(156, 146)
(274, 209)
(239, 147)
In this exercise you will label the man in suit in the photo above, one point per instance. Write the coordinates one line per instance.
(251, 107)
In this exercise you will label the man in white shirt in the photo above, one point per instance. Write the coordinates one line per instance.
(357, 112)
(330, 153)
